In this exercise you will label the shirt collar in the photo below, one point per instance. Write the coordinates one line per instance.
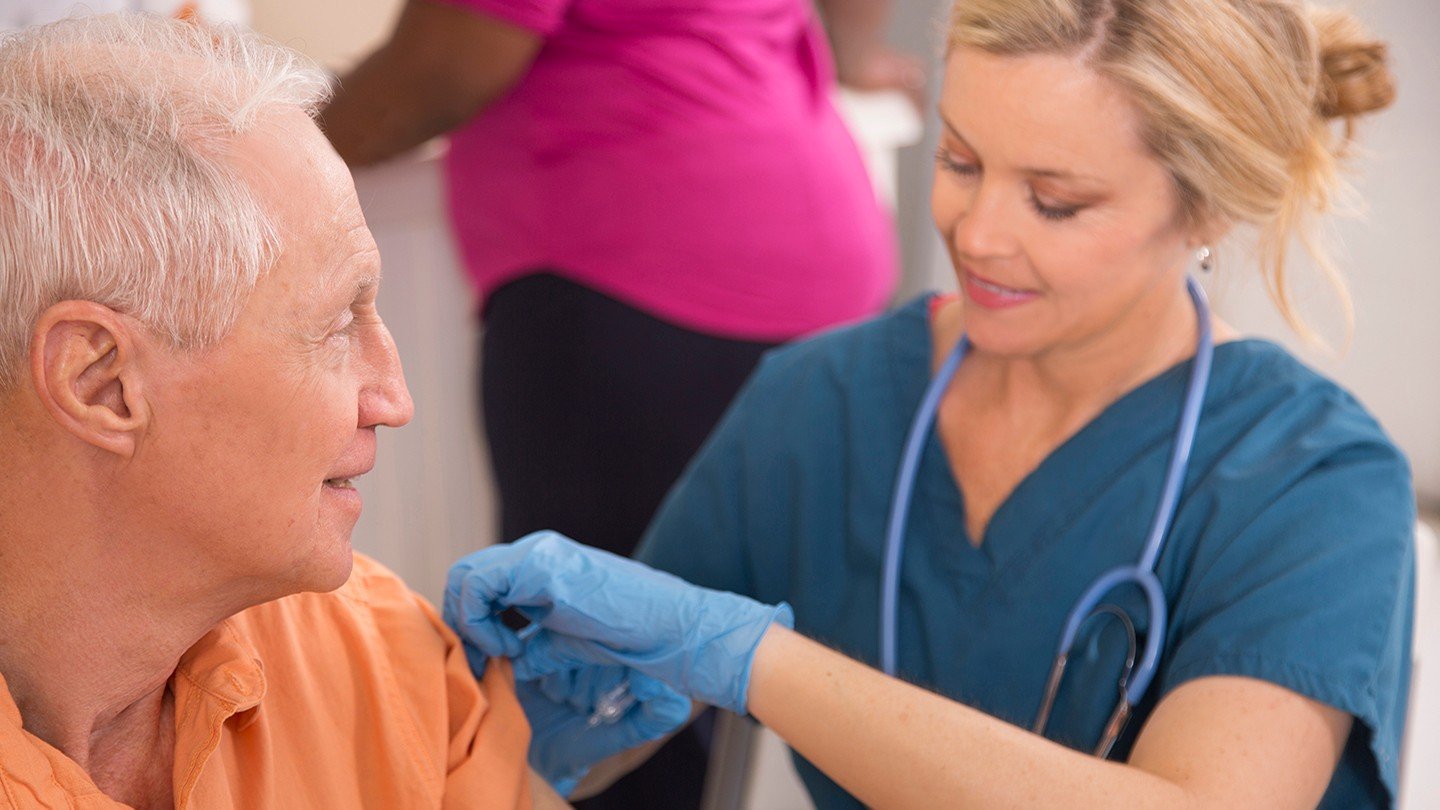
(225, 665)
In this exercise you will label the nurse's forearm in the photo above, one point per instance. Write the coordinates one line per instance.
(441, 66)
(892, 744)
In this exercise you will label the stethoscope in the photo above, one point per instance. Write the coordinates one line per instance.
(1135, 678)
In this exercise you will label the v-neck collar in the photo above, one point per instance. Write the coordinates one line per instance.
(1099, 451)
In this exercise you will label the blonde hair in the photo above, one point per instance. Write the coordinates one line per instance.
(1237, 98)
(115, 185)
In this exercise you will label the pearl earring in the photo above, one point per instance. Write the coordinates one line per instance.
(1206, 259)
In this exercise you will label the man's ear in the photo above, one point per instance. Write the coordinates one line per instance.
(83, 363)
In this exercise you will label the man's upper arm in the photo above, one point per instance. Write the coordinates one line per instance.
(1242, 742)
(489, 736)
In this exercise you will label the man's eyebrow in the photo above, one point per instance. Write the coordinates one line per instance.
(362, 283)
(365, 282)
(1058, 174)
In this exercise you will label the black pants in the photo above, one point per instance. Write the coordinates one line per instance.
(592, 409)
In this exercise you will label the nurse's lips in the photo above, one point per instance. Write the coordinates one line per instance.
(993, 295)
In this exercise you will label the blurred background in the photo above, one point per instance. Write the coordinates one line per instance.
(427, 500)
(425, 503)
(431, 497)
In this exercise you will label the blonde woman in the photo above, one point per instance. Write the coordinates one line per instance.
(1094, 153)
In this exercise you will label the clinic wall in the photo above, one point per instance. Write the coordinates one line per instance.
(334, 32)
(1393, 364)
(1389, 255)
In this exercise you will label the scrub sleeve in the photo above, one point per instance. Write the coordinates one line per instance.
(1316, 595)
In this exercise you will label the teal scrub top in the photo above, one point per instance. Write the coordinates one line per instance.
(1291, 557)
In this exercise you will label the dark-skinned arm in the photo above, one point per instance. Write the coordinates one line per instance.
(863, 60)
(441, 66)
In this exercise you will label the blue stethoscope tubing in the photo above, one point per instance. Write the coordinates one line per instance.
(1142, 573)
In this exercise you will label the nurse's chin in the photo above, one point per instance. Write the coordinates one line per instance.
(1004, 340)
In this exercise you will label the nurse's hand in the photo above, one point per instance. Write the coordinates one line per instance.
(565, 742)
(591, 607)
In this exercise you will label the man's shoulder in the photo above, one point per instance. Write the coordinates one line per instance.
(371, 582)
(370, 674)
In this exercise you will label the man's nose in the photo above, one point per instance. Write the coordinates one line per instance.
(385, 399)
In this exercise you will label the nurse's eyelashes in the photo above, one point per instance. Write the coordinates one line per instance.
(1055, 212)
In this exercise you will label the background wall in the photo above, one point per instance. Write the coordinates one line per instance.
(1389, 255)
(430, 498)
(335, 32)
(1393, 364)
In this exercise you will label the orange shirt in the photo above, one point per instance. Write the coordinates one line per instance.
(356, 698)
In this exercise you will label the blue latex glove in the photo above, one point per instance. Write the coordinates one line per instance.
(593, 607)
(564, 743)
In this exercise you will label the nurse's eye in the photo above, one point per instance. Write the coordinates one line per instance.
(954, 165)
(1053, 211)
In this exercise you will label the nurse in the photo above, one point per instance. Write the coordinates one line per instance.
(1094, 153)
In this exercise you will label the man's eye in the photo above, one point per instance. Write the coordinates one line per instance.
(344, 331)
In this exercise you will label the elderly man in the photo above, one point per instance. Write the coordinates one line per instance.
(192, 370)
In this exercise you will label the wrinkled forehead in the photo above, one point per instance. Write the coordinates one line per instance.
(308, 193)
(288, 163)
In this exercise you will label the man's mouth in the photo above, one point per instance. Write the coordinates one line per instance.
(340, 483)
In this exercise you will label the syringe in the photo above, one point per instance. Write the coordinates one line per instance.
(612, 706)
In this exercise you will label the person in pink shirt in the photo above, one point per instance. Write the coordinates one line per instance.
(647, 195)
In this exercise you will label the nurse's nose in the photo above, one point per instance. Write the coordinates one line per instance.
(986, 229)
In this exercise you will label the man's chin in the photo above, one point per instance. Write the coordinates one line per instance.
(329, 568)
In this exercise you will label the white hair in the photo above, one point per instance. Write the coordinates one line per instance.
(115, 186)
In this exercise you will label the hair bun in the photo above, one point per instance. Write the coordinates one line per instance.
(1355, 76)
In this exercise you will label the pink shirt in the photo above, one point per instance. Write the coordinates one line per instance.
(682, 156)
